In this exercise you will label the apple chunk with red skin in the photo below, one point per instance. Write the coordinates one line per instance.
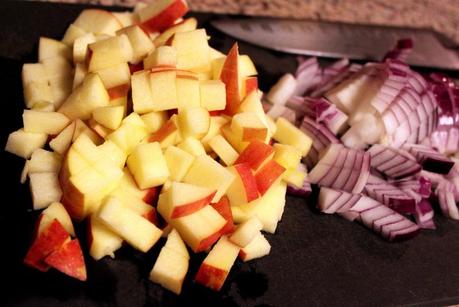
(267, 175)
(162, 14)
(255, 154)
(101, 240)
(223, 207)
(244, 187)
(217, 264)
(230, 76)
(182, 199)
(69, 260)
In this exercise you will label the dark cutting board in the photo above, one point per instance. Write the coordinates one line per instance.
(315, 259)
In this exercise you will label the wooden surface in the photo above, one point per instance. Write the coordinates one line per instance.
(441, 15)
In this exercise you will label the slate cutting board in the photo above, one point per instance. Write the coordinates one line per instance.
(316, 260)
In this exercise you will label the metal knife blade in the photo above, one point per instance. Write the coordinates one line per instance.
(337, 40)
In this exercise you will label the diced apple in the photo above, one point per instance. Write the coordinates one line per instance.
(255, 154)
(87, 97)
(246, 232)
(286, 133)
(249, 85)
(294, 177)
(188, 95)
(48, 241)
(37, 92)
(114, 76)
(60, 76)
(248, 127)
(23, 144)
(140, 42)
(216, 122)
(44, 122)
(160, 15)
(109, 52)
(178, 161)
(175, 243)
(44, 106)
(244, 186)
(142, 98)
(182, 199)
(45, 189)
(164, 90)
(71, 34)
(101, 131)
(114, 153)
(239, 215)
(206, 172)
(217, 264)
(163, 56)
(230, 76)
(110, 116)
(129, 185)
(200, 229)
(69, 260)
(56, 211)
(193, 122)
(80, 47)
(80, 73)
(51, 48)
(35, 72)
(168, 134)
(154, 120)
(98, 21)
(170, 269)
(223, 149)
(186, 25)
(224, 209)
(286, 155)
(43, 161)
(213, 95)
(267, 175)
(62, 141)
(126, 18)
(136, 230)
(269, 207)
(128, 136)
(233, 138)
(137, 205)
(257, 248)
(25, 172)
(148, 165)
(82, 128)
(192, 50)
(192, 146)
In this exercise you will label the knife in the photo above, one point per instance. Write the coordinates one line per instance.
(338, 40)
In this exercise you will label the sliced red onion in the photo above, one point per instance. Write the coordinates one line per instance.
(393, 163)
(341, 168)
(430, 224)
(308, 74)
(429, 158)
(424, 211)
(305, 190)
(445, 192)
(445, 139)
(326, 113)
(401, 50)
(389, 195)
(345, 74)
(277, 110)
(419, 187)
(374, 215)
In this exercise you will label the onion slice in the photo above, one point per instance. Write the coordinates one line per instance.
(430, 159)
(393, 163)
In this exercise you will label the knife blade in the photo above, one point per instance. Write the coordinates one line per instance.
(337, 40)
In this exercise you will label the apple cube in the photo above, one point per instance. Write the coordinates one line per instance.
(113, 152)
(80, 47)
(98, 21)
(193, 121)
(36, 92)
(200, 229)
(142, 98)
(207, 172)
(178, 162)
(223, 149)
(136, 230)
(239, 215)
(192, 146)
(216, 122)
(44, 106)
(252, 104)
(45, 189)
(164, 90)
(51, 48)
(129, 185)
(60, 75)
(69, 260)
(168, 134)
(213, 95)
(257, 248)
(175, 243)
(246, 232)
(48, 241)
(82, 128)
(244, 186)
(109, 52)
(110, 116)
(101, 131)
(154, 120)
(255, 154)
(126, 18)
(249, 86)
(62, 141)
(286, 155)
(188, 95)
(268, 208)
(233, 138)
(35, 72)
(164, 56)
(267, 175)
(224, 209)
(294, 177)
(286, 133)
(137, 205)
(25, 172)
(192, 50)
(71, 34)
(248, 127)
(44, 122)
(43, 161)
(80, 73)
(87, 97)
(148, 165)
(140, 42)
(56, 211)
(189, 24)
(114, 76)
(23, 144)
(182, 199)
(230, 76)
(170, 269)
(216, 266)
(160, 15)
(128, 136)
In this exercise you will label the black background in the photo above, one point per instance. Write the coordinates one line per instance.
(315, 259)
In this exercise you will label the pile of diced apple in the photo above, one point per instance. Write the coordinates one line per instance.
(132, 115)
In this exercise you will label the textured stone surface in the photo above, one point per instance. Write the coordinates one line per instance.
(441, 15)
